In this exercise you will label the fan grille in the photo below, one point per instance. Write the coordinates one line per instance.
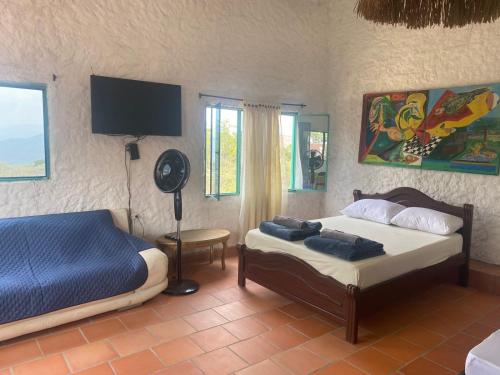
(172, 171)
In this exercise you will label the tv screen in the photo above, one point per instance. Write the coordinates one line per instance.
(129, 107)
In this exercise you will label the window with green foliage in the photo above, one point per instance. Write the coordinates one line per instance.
(304, 151)
(222, 151)
(288, 124)
(23, 132)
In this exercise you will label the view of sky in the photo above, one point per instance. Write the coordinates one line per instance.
(21, 112)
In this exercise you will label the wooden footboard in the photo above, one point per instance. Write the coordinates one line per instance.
(295, 279)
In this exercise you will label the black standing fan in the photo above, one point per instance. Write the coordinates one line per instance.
(171, 175)
(315, 162)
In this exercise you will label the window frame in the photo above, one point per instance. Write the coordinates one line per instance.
(43, 88)
(292, 188)
(239, 117)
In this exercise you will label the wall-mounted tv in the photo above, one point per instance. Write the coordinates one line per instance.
(130, 107)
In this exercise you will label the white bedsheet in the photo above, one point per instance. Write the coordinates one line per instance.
(484, 359)
(406, 250)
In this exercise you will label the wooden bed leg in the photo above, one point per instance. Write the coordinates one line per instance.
(351, 332)
(463, 275)
(241, 265)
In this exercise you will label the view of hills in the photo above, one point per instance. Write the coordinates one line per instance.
(21, 151)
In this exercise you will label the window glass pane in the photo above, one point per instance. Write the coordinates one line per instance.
(228, 151)
(22, 133)
(287, 125)
(311, 159)
(222, 128)
(317, 164)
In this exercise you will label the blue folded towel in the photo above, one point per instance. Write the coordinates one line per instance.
(288, 234)
(344, 250)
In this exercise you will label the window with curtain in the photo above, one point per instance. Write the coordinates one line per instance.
(304, 150)
(24, 152)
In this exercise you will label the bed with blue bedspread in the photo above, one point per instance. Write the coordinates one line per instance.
(52, 262)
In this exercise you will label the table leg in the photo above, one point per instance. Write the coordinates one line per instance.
(223, 256)
(211, 254)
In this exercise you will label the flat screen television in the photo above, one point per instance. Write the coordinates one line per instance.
(130, 107)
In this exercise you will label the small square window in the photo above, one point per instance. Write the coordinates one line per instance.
(24, 153)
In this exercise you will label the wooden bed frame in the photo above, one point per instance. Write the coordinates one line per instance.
(297, 280)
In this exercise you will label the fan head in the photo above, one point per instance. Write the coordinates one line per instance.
(172, 171)
(315, 160)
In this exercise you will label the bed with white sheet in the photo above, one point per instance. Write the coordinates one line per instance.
(406, 250)
(345, 290)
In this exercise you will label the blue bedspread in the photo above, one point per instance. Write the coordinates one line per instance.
(344, 250)
(51, 262)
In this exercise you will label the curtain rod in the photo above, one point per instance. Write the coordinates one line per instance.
(240, 100)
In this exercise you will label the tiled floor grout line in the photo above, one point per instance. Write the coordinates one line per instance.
(83, 335)
(353, 364)
(348, 362)
(40, 356)
(194, 364)
(296, 330)
(157, 357)
(280, 365)
(67, 362)
(111, 367)
(243, 359)
(440, 364)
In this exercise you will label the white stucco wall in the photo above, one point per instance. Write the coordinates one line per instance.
(312, 51)
(261, 50)
(368, 58)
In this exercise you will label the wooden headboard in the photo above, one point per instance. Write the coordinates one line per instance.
(410, 197)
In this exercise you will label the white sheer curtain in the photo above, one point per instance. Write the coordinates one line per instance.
(261, 190)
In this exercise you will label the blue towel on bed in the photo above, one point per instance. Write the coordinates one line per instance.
(51, 262)
(344, 250)
(290, 234)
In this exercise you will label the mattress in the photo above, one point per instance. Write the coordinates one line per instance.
(406, 250)
(483, 359)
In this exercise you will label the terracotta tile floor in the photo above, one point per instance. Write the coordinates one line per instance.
(227, 330)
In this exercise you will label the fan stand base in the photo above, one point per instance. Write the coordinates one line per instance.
(181, 287)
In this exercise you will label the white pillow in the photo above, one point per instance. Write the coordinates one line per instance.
(428, 220)
(378, 210)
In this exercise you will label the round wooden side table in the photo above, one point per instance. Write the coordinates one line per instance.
(195, 239)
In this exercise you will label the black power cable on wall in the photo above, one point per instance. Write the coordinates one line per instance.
(131, 153)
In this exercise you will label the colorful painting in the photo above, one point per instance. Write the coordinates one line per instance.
(456, 129)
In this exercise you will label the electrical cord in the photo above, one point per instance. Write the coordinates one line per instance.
(129, 193)
(128, 172)
(140, 222)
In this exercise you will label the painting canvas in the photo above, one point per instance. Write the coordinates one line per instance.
(455, 129)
